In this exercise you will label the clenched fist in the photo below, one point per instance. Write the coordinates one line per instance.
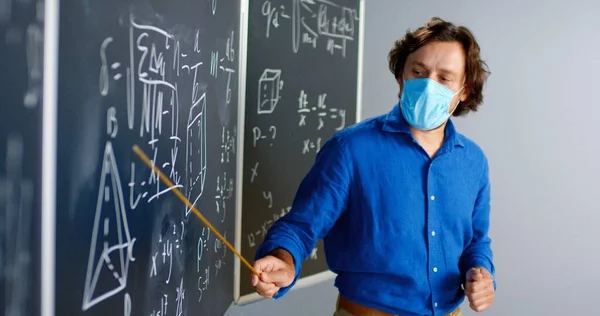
(479, 289)
(275, 273)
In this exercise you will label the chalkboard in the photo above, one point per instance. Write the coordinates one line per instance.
(301, 87)
(162, 75)
(21, 69)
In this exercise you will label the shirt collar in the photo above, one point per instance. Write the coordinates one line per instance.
(394, 122)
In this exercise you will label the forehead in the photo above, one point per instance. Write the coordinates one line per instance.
(447, 56)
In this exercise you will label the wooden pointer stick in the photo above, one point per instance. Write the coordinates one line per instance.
(168, 182)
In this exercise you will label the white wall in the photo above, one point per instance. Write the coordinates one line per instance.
(539, 127)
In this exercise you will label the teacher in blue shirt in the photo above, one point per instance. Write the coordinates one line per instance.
(401, 200)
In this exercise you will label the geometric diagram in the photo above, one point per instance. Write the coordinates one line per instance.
(111, 245)
(195, 152)
(269, 85)
(16, 201)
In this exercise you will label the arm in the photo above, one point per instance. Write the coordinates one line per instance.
(479, 252)
(321, 198)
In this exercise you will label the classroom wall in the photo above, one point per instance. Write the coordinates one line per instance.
(538, 127)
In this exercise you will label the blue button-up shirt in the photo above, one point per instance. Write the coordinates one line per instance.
(400, 229)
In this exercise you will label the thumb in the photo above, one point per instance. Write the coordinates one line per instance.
(474, 275)
(486, 274)
(281, 278)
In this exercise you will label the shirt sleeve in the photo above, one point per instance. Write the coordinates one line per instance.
(320, 200)
(479, 252)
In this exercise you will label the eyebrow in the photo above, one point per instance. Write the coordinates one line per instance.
(442, 70)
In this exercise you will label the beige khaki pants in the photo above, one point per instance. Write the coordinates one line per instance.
(342, 312)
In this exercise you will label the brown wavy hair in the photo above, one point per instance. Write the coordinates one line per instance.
(436, 29)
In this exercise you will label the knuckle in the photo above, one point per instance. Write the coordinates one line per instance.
(262, 288)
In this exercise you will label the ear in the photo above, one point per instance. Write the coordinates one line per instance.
(399, 79)
(464, 94)
(400, 85)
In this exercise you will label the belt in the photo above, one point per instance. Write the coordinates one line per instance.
(361, 310)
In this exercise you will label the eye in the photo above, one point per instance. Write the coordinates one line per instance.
(417, 73)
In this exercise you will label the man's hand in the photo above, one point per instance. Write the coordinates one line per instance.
(479, 289)
(276, 271)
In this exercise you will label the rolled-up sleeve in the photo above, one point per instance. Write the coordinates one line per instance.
(320, 199)
(479, 252)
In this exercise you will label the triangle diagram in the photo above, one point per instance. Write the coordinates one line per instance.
(108, 260)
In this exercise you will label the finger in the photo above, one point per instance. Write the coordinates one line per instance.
(263, 288)
(254, 279)
(271, 292)
(280, 277)
(486, 274)
(480, 307)
(485, 300)
(261, 264)
(269, 263)
(257, 265)
(482, 285)
(476, 286)
(475, 296)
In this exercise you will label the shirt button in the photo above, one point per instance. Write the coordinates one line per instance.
(435, 304)
(433, 233)
(434, 269)
(432, 197)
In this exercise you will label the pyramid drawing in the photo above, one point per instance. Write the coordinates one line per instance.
(111, 243)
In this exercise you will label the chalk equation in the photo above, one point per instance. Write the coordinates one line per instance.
(224, 194)
(169, 244)
(16, 207)
(257, 135)
(254, 238)
(311, 145)
(264, 228)
(306, 108)
(313, 21)
(228, 144)
(167, 263)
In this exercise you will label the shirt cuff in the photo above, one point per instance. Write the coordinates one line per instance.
(267, 247)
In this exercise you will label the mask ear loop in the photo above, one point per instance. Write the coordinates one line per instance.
(457, 103)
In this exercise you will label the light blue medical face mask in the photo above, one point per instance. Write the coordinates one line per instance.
(425, 103)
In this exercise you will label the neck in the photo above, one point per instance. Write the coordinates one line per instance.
(431, 140)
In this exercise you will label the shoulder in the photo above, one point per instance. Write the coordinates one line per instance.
(472, 148)
(361, 131)
(474, 154)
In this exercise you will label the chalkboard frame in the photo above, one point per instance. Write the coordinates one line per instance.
(237, 265)
(243, 49)
(315, 278)
(49, 148)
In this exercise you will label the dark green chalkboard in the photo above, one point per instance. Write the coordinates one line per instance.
(162, 75)
(301, 87)
(21, 69)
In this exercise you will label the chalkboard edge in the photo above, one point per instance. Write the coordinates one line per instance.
(301, 283)
(243, 49)
(49, 151)
(361, 50)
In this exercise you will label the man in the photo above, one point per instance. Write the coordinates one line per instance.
(402, 200)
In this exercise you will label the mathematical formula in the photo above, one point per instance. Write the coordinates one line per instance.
(312, 22)
(165, 104)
